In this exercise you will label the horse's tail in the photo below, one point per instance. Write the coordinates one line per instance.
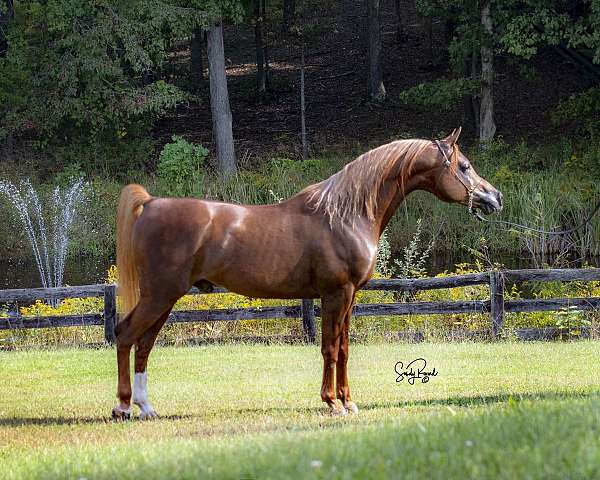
(131, 204)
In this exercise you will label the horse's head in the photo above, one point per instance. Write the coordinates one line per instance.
(449, 175)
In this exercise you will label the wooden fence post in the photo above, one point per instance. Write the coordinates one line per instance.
(110, 313)
(308, 320)
(496, 301)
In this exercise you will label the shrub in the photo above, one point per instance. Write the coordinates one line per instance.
(179, 165)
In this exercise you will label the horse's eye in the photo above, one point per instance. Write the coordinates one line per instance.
(465, 166)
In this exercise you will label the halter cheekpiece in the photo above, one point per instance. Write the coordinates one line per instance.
(470, 189)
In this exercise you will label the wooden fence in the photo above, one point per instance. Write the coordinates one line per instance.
(496, 306)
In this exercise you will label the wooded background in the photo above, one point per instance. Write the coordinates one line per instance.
(87, 79)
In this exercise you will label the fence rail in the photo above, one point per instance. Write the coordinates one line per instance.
(496, 306)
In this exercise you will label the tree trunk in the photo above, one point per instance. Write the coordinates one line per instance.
(267, 68)
(470, 102)
(401, 36)
(196, 64)
(474, 99)
(376, 87)
(451, 23)
(289, 13)
(487, 127)
(429, 28)
(303, 108)
(261, 73)
(219, 101)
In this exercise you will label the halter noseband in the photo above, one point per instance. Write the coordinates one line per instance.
(470, 189)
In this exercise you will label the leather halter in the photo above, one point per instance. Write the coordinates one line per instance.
(470, 189)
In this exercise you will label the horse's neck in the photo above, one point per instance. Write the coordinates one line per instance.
(390, 196)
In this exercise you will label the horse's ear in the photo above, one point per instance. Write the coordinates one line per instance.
(453, 137)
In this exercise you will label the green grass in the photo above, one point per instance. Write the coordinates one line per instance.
(507, 410)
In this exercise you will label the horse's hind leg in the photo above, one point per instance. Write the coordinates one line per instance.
(129, 331)
(140, 383)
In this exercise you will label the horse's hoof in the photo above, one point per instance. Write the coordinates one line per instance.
(148, 415)
(351, 407)
(120, 415)
(337, 410)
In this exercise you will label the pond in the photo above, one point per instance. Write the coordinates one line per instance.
(78, 271)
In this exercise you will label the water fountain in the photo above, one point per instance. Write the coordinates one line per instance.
(49, 245)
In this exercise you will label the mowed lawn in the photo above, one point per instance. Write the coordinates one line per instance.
(506, 410)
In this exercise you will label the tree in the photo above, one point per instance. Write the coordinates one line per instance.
(219, 100)
(75, 75)
(303, 107)
(376, 88)
(571, 30)
(289, 14)
(262, 62)
(212, 13)
(401, 35)
(487, 126)
(196, 63)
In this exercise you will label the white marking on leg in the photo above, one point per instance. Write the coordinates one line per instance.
(351, 407)
(140, 396)
(122, 409)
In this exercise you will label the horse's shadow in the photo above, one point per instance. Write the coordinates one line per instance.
(479, 400)
(459, 401)
(52, 421)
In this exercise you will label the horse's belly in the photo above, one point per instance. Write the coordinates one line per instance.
(269, 291)
(261, 272)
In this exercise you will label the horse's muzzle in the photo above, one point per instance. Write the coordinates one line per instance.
(488, 201)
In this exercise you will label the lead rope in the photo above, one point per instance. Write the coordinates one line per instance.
(538, 230)
(477, 215)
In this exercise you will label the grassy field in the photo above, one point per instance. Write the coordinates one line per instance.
(507, 410)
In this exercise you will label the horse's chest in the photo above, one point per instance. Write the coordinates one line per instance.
(362, 260)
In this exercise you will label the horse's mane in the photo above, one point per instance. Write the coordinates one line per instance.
(353, 191)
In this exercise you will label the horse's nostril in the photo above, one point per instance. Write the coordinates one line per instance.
(499, 197)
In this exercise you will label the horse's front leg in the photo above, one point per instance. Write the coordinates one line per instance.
(334, 307)
(342, 386)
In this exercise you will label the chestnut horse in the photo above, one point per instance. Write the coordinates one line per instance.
(321, 243)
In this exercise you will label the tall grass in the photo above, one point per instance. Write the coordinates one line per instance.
(549, 188)
(556, 194)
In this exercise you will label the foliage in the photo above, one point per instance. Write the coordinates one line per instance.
(112, 274)
(89, 73)
(414, 256)
(441, 325)
(384, 256)
(521, 29)
(179, 164)
(83, 62)
(553, 22)
(442, 93)
(582, 110)
(568, 320)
